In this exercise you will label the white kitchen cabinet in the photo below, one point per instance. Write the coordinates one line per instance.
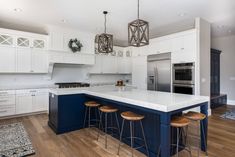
(124, 65)
(24, 103)
(40, 102)
(97, 67)
(7, 103)
(7, 59)
(139, 72)
(56, 41)
(33, 100)
(184, 48)
(23, 60)
(39, 61)
(109, 64)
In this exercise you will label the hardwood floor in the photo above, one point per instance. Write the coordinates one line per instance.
(83, 143)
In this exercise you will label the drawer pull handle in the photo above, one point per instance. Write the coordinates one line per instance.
(3, 111)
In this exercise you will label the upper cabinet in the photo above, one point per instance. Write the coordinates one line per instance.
(118, 62)
(22, 52)
(184, 48)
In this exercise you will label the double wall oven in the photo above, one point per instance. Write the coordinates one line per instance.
(184, 78)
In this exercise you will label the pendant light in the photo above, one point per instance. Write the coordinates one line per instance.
(105, 41)
(138, 31)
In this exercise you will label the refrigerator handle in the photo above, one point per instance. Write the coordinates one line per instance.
(155, 79)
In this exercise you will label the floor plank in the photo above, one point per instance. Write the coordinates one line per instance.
(83, 143)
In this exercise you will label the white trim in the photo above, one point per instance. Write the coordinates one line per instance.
(231, 102)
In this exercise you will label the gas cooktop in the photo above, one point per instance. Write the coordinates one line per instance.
(72, 84)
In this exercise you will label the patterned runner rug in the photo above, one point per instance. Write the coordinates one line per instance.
(14, 141)
(229, 115)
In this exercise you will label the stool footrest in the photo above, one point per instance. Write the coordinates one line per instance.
(137, 138)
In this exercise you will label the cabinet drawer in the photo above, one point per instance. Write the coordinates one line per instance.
(31, 91)
(7, 111)
(7, 92)
(7, 100)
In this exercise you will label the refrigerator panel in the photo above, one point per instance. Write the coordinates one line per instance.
(163, 75)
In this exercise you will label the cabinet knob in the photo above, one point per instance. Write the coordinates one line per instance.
(182, 48)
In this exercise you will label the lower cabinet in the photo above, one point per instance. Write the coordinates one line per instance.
(7, 103)
(28, 101)
(66, 112)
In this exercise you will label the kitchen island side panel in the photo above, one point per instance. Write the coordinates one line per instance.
(66, 112)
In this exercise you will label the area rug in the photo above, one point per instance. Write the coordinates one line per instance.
(229, 115)
(14, 141)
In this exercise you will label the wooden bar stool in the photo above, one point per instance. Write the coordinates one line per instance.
(198, 118)
(108, 110)
(179, 122)
(133, 117)
(91, 105)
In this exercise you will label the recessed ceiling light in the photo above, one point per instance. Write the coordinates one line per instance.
(18, 10)
(64, 21)
(182, 14)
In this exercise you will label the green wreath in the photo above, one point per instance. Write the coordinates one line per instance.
(75, 45)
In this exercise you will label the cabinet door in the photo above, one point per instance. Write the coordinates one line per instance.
(23, 103)
(39, 61)
(23, 60)
(40, 102)
(39, 44)
(7, 59)
(109, 64)
(97, 67)
(139, 72)
(57, 41)
(124, 65)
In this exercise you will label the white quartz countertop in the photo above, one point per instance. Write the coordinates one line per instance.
(29, 86)
(160, 101)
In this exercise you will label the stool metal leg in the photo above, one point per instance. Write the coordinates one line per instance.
(106, 127)
(204, 136)
(84, 123)
(146, 147)
(120, 140)
(177, 143)
(117, 123)
(131, 138)
(100, 125)
(89, 117)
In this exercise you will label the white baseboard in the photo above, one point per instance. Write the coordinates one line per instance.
(231, 102)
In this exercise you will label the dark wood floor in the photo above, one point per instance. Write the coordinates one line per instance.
(83, 143)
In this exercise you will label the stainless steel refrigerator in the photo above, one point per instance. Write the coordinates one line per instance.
(159, 72)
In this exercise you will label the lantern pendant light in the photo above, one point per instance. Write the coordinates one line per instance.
(138, 32)
(105, 41)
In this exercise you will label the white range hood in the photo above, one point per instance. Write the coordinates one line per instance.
(68, 58)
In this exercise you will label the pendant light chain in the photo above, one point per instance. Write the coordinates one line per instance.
(105, 23)
(138, 9)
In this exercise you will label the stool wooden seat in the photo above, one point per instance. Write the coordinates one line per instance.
(195, 116)
(179, 122)
(108, 109)
(92, 104)
(128, 115)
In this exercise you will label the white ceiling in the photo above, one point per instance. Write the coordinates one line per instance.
(164, 16)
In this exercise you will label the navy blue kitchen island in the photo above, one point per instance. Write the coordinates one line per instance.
(67, 110)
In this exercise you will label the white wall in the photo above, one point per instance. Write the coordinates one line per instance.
(227, 64)
(203, 56)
